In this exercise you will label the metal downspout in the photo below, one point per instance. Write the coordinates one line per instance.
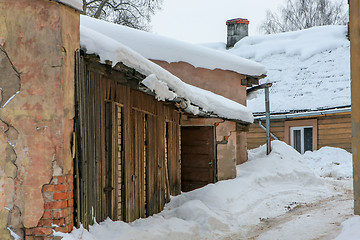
(267, 109)
(264, 128)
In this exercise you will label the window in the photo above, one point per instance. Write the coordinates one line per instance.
(301, 134)
(302, 138)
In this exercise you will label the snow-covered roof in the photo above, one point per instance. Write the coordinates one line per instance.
(77, 4)
(309, 69)
(165, 85)
(157, 47)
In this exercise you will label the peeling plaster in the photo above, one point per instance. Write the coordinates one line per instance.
(10, 84)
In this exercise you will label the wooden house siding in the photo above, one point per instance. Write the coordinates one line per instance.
(335, 131)
(257, 136)
(332, 130)
(124, 167)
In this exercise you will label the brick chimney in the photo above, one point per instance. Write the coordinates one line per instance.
(236, 30)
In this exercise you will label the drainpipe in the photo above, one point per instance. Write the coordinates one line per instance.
(264, 128)
(267, 109)
(266, 86)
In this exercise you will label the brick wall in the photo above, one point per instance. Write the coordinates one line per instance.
(59, 209)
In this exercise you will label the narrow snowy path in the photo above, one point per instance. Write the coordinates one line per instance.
(319, 220)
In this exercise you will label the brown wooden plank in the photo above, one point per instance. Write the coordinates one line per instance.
(260, 130)
(332, 120)
(127, 154)
(334, 131)
(335, 140)
(334, 126)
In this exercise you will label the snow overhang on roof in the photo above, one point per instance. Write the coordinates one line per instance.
(163, 84)
(76, 4)
(156, 47)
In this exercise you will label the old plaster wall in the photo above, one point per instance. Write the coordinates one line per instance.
(39, 38)
(224, 83)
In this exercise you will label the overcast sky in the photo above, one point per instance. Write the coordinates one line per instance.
(202, 21)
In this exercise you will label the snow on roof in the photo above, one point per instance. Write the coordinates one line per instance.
(157, 47)
(309, 69)
(165, 85)
(77, 4)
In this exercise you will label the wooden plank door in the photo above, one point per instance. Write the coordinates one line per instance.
(197, 157)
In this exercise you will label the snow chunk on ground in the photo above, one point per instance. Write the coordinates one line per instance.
(350, 229)
(94, 42)
(330, 162)
(77, 4)
(156, 47)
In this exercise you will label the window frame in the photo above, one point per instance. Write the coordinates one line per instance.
(302, 136)
(301, 123)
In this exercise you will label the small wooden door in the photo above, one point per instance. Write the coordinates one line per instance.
(197, 157)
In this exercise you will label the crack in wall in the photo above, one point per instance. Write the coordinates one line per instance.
(10, 85)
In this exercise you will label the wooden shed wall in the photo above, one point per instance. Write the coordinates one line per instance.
(333, 130)
(128, 146)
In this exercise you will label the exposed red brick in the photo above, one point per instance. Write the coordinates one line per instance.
(30, 238)
(70, 227)
(69, 220)
(56, 205)
(28, 231)
(71, 202)
(40, 223)
(71, 195)
(69, 178)
(54, 188)
(47, 222)
(64, 229)
(61, 195)
(69, 186)
(47, 214)
(41, 231)
(48, 196)
(61, 179)
(59, 222)
(60, 213)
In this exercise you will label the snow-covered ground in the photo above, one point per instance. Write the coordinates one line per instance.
(281, 196)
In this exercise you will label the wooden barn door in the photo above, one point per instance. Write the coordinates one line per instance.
(197, 157)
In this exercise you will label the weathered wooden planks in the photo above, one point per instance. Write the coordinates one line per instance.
(125, 167)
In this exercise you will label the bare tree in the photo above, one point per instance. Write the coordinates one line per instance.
(132, 13)
(302, 14)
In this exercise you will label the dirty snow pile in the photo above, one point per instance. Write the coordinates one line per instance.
(266, 188)
(309, 69)
(165, 85)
